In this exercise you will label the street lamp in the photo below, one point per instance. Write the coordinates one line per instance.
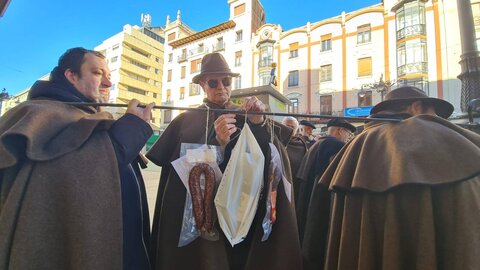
(381, 86)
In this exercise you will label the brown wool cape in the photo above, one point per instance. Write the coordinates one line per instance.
(60, 200)
(280, 251)
(406, 196)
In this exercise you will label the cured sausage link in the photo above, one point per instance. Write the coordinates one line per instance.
(202, 204)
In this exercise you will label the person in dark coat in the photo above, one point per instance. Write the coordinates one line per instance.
(405, 194)
(296, 148)
(315, 162)
(306, 132)
(282, 249)
(75, 213)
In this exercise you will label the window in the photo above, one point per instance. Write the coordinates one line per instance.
(326, 73)
(238, 82)
(294, 108)
(167, 116)
(114, 59)
(410, 19)
(238, 58)
(476, 21)
(264, 77)
(195, 65)
(116, 46)
(154, 95)
(326, 105)
(219, 45)
(364, 98)
(326, 42)
(239, 36)
(136, 90)
(266, 55)
(138, 64)
(171, 36)
(169, 95)
(136, 77)
(140, 52)
(182, 72)
(417, 82)
(364, 66)
(156, 71)
(363, 34)
(194, 89)
(169, 75)
(170, 57)
(240, 9)
(182, 92)
(157, 59)
(155, 83)
(412, 57)
(293, 50)
(293, 78)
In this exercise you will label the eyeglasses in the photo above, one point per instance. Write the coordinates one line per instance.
(213, 83)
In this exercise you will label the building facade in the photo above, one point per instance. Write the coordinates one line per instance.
(353, 59)
(350, 60)
(135, 59)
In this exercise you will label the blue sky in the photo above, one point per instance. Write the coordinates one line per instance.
(35, 33)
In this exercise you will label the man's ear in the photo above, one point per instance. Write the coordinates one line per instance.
(71, 77)
(415, 108)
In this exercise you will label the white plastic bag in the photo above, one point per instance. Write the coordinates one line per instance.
(190, 155)
(239, 191)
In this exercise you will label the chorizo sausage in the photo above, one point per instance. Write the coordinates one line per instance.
(202, 203)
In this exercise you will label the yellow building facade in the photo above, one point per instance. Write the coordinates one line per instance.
(135, 59)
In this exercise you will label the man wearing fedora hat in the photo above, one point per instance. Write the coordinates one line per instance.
(189, 127)
(314, 164)
(405, 194)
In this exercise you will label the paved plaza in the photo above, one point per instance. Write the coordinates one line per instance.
(151, 175)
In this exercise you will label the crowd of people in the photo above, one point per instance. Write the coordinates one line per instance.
(397, 195)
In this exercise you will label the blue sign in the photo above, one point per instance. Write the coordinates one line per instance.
(357, 111)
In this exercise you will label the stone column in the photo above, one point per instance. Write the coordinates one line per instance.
(470, 58)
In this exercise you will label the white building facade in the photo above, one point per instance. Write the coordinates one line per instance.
(348, 61)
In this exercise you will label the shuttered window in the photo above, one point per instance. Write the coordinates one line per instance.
(182, 73)
(293, 48)
(364, 66)
(171, 36)
(182, 92)
(240, 9)
(195, 65)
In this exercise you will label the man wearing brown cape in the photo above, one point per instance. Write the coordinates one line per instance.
(296, 148)
(406, 195)
(71, 195)
(281, 250)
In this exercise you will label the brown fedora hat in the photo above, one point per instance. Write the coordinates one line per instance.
(408, 94)
(213, 63)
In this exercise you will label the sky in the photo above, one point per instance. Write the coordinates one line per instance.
(33, 34)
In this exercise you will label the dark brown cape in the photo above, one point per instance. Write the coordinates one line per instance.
(406, 196)
(296, 149)
(59, 198)
(280, 251)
